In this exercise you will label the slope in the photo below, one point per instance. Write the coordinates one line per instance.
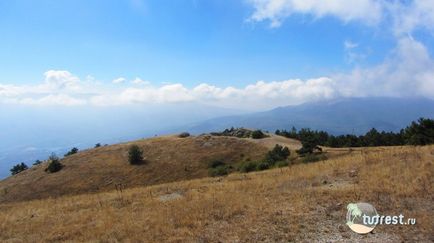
(168, 159)
(300, 203)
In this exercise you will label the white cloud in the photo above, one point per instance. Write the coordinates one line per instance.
(410, 16)
(408, 71)
(9, 90)
(399, 17)
(368, 11)
(139, 81)
(119, 80)
(352, 52)
(348, 45)
(61, 80)
(63, 88)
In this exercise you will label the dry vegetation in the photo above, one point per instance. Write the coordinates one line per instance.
(304, 202)
(168, 159)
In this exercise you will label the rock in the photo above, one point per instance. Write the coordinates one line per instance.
(353, 173)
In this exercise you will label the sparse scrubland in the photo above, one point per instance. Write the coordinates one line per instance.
(138, 163)
(302, 202)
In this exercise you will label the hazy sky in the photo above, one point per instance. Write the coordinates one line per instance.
(251, 54)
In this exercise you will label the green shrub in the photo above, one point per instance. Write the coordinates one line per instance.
(263, 166)
(220, 170)
(278, 153)
(247, 167)
(258, 134)
(72, 151)
(281, 164)
(18, 168)
(184, 135)
(37, 162)
(54, 165)
(135, 155)
(215, 163)
(309, 158)
(308, 147)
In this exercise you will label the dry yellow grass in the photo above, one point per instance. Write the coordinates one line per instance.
(168, 159)
(304, 202)
(272, 140)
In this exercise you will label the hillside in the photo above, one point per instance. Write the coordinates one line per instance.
(340, 116)
(304, 202)
(56, 130)
(168, 159)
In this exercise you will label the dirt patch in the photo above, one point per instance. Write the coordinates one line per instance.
(170, 196)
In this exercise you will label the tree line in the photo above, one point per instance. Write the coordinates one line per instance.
(420, 132)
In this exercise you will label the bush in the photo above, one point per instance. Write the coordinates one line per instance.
(220, 170)
(37, 162)
(234, 132)
(97, 145)
(263, 166)
(18, 168)
(184, 135)
(278, 153)
(215, 163)
(258, 134)
(281, 164)
(54, 165)
(308, 147)
(247, 167)
(135, 155)
(72, 151)
(309, 158)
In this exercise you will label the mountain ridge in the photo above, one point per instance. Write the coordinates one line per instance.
(339, 116)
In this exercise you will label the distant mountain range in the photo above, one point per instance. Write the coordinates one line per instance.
(340, 116)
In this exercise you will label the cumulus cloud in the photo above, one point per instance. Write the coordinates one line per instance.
(411, 16)
(368, 11)
(60, 79)
(407, 71)
(400, 17)
(259, 95)
(63, 88)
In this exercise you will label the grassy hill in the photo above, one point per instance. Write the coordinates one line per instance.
(168, 159)
(303, 202)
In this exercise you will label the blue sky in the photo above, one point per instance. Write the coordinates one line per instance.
(201, 41)
(225, 44)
